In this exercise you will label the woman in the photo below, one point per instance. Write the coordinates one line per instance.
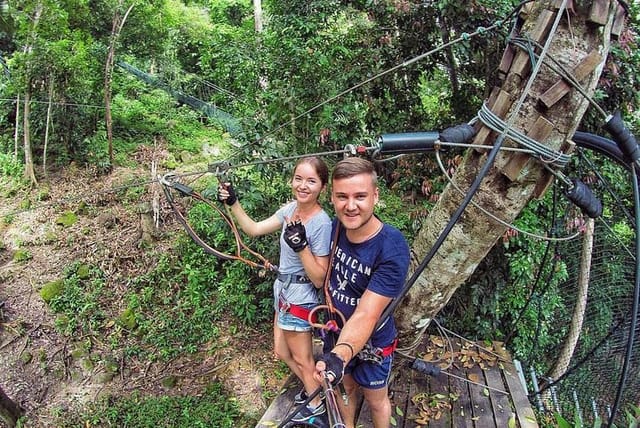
(305, 241)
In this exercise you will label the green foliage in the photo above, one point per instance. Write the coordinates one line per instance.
(142, 119)
(214, 408)
(10, 166)
(127, 319)
(393, 210)
(632, 419)
(239, 289)
(68, 218)
(173, 308)
(78, 300)
(563, 423)
(22, 255)
(434, 94)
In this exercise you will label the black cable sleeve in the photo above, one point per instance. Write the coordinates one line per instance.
(458, 134)
(582, 196)
(425, 367)
(408, 142)
(601, 145)
(623, 137)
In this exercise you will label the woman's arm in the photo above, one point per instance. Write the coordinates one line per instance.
(252, 227)
(227, 195)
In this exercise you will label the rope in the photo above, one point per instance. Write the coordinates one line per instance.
(169, 182)
(546, 154)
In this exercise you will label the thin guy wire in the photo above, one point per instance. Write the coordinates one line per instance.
(465, 36)
(496, 219)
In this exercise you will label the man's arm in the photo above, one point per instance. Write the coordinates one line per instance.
(358, 329)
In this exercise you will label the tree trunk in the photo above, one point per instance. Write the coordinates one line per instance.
(513, 179)
(562, 362)
(116, 28)
(29, 171)
(257, 15)
(10, 412)
(46, 129)
(16, 134)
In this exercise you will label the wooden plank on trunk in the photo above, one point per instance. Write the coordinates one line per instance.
(507, 56)
(540, 131)
(522, 62)
(618, 21)
(526, 9)
(580, 71)
(599, 12)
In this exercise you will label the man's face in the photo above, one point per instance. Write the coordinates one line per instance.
(354, 199)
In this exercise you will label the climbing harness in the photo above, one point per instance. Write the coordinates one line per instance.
(170, 181)
(374, 354)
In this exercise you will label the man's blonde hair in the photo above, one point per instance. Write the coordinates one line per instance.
(352, 166)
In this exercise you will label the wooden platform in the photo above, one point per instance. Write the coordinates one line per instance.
(477, 387)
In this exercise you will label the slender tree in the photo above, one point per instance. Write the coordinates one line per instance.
(116, 27)
(29, 170)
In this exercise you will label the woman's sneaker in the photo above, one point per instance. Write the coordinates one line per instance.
(300, 397)
(307, 415)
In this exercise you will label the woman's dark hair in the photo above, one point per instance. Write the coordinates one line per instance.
(318, 164)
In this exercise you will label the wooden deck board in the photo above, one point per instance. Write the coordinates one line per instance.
(399, 393)
(447, 400)
(461, 411)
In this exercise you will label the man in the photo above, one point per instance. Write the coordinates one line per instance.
(367, 272)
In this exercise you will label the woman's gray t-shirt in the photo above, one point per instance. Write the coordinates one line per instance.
(318, 231)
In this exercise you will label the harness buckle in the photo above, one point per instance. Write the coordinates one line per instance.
(284, 305)
(371, 354)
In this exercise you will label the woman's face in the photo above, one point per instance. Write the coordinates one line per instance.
(306, 184)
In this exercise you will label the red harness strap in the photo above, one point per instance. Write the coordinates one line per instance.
(297, 311)
(390, 349)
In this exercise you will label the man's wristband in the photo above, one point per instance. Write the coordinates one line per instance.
(348, 346)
